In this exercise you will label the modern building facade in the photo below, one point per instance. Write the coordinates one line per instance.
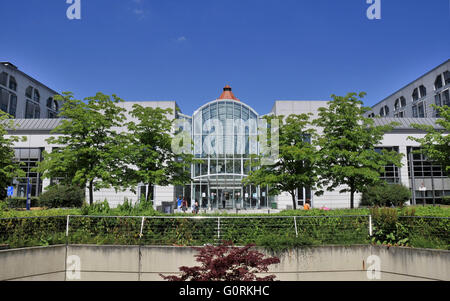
(413, 104)
(24, 97)
(415, 99)
(224, 133)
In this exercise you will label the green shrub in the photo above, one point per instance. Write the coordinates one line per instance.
(58, 196)
(17, 202)
(98, 208)
(3, 206)
(387, 229)
(385, 195)
(446, 200)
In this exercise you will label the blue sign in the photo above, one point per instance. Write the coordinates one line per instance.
(10, 191)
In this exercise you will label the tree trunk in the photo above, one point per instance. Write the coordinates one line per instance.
(352, 197)
(91, 192)
(351, 184)
(293, 200)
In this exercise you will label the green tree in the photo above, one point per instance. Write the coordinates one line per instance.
(151, 150)
(9, 168)
(347, 146)
(436, 143)
(295, 166)
(91, 151)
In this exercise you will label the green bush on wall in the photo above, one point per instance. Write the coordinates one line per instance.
(386, 195)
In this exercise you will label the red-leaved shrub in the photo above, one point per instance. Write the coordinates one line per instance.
(226, 263)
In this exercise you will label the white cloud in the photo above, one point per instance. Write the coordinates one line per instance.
(181, 39)
(138, 9)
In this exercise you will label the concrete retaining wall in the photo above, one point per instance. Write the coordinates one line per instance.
(144, 263)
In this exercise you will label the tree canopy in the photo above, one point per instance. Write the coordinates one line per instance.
(436, 143)
(9, 168)
(347, 146)
(151, 154)
(90, 150)
(295, 166)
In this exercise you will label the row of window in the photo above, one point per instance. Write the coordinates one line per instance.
(8, 100)
(418, 109)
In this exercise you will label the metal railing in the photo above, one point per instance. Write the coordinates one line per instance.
(200, 230)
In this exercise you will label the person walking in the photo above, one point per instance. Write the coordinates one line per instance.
(196, 207)
(179, 202)
(184, 205)
(307, 206)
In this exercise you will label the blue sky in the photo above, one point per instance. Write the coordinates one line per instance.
(188, 50)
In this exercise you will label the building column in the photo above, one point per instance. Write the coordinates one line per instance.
(46, 181)
(404, 178)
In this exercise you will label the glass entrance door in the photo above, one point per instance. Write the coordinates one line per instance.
(226, 200)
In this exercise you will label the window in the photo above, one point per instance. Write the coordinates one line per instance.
(32, 110)
(437, 100)
(441, 99)
(29, 92)
(29, 158)
(397, 104)
(4, 99)
(447, 77)
(29, 110)
(52, 106)
(402, 102)
(399, 115)
(36, 96)
(13, 105)
(421, 110)
(3, 78)
(384, 111)
(423, 167)
(438, 82)
(414, 111)
(423, 91)
(12, 83)
(391, 172)
(415, 94)
(446, 98)
(49, 102)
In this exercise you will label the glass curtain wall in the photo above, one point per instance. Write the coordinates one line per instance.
(224, 134)
(29, 158)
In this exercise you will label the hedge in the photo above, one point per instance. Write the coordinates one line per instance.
(272, 232)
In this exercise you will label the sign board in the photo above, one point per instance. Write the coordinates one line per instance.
(10, 191)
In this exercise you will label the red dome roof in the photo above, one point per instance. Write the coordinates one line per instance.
(227, 94)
